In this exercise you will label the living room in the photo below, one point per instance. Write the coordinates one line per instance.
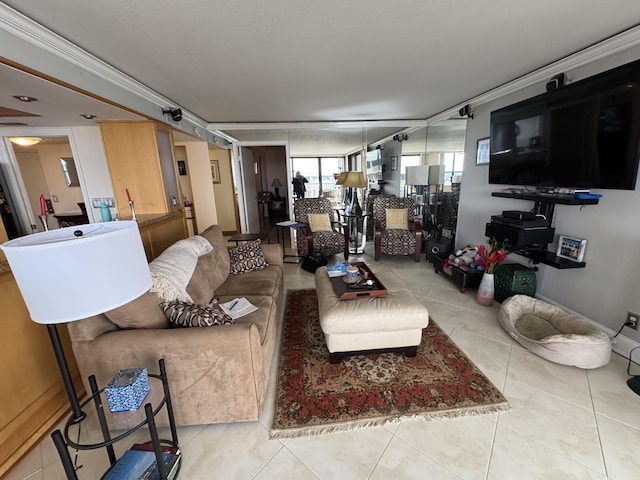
(603, 291)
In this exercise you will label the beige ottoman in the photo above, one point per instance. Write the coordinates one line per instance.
(390, 323)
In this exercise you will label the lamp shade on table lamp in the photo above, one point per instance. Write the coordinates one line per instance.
(76, 272)
(355, 180)
(418, 175)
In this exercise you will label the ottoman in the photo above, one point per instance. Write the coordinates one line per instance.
(370, 324)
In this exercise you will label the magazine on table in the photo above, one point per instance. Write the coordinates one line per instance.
(337, 270)
(238, 307)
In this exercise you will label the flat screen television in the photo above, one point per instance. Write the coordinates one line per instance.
(584, 135)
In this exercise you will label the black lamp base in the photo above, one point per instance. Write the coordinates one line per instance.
(634, 384)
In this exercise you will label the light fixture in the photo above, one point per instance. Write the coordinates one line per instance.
(355, 180)
(25, 98)
(401, 137)
(77, 272)
(276, 184)
(25, 141)
(466, 111)
(88, 116)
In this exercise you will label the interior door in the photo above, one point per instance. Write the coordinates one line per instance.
(249, 173)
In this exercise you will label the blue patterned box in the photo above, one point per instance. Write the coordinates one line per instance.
(127, 390)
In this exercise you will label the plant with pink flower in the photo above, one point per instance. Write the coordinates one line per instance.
(492, 255)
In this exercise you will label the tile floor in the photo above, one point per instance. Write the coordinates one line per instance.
(566, 423)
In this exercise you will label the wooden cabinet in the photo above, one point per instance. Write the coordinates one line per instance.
(158, 233)
(140, 157)
(33, 395)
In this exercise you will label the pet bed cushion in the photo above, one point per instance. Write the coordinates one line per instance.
(553, 333)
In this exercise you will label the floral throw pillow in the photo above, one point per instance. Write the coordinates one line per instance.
(247, 258)
(184, 314)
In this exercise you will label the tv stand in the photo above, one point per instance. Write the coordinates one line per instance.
(544, 205)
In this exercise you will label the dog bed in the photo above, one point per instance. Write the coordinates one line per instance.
(553, 333)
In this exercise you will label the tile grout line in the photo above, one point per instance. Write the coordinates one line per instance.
(595, 418)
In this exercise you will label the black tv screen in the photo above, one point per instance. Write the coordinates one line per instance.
(585, 135)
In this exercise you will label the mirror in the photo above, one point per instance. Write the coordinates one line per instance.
(69, 171)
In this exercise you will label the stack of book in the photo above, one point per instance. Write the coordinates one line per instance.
(139, 463)
(337, 270)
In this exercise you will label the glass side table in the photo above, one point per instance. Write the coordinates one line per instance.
(357, 231)
(73, 428)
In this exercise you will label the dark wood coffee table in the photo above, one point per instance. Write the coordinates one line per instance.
(345, 291)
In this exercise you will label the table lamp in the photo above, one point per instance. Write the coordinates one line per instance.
(77, 272)
(276, 186)
(355, 180)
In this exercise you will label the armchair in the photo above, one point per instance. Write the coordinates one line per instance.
(319, 235)
(396, 232)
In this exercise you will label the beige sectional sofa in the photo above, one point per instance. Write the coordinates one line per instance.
(216, 374)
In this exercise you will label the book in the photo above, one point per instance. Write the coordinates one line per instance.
(337, 270)
(148, 447)
(141, 465)
(238, 307)
(132, 465)
(170, 464)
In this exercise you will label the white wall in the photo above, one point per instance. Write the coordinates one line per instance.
(607, 288)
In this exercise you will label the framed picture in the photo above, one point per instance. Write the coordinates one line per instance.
(215, 171)
(394, 163)
(182, 167)
(571, 248)
(482, 153)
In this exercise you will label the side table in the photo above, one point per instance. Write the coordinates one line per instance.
(357, 231)
(290, 226)
(461, 277)
(64, 441)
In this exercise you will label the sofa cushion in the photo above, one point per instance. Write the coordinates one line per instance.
(143, 312)
(247, 258)
(185, 314)
(263, 318)
(212, 269)
(259, 282)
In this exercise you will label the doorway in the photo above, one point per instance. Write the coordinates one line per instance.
(41, 169)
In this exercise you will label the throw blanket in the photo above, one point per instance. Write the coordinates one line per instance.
(173, 268)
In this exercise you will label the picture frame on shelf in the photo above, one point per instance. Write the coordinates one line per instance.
(215, 171)
(182, 168)
(571, 248)
(482, 152)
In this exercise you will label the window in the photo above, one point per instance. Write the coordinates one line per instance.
(453, 165)
(319, 171)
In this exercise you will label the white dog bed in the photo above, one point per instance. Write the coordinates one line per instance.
(554, 334)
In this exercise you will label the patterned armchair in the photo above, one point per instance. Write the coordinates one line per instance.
(334, 239)
(402, 237)
(369, 210)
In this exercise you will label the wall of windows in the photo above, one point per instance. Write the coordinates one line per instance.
(319, 172)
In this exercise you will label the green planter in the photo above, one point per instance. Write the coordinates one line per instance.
(512, 279)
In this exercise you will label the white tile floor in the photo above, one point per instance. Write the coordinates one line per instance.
(566, 423)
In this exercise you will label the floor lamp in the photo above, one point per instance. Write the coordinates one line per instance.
(76, 272)
(355, 180)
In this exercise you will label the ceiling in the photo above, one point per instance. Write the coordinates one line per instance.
(280, 61)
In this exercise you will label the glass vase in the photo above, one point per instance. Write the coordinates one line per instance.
(486, 290)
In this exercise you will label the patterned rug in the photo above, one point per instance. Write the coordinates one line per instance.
(315, 397)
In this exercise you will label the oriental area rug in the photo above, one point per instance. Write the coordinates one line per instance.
(314, 397)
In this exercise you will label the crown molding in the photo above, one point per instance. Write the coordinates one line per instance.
(24, 28)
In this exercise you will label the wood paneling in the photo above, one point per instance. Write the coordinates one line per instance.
(31, 390)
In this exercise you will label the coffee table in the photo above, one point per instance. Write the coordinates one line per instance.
(370, 324)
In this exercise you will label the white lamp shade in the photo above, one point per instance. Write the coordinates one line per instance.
(64, 276)
(418, 175)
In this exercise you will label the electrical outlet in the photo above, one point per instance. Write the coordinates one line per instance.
(632, 320)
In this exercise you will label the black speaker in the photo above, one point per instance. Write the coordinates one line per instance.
(556, 82)
(176, 113)
(438, 249)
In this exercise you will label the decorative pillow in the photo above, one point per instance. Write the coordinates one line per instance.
(397, 218)
(247, 258)
(184, 314)
(319, 222)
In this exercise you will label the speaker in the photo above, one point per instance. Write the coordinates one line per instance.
(556, 82)
(436, 174)
(438, 249)
(176, 113)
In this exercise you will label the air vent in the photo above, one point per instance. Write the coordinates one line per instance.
(13, 124)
